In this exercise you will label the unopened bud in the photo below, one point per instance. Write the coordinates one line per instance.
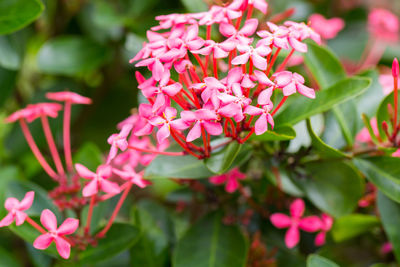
(139, 77)
(395, 68)
(385, 126)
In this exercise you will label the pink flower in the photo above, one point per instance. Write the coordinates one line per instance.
(295, 222)
(396, 153)
(118, 141)
(165, 123)
(277, 37)
(16, 209)
(99, 180)
(363, 136)
(201, 118)
(387, 83)
(67, 96)
(234, 103)
(128, 173)
(257, 55)
(327, 28)
(210, 90)
(292, 82)
(260, 5)
(261, 125)
(383, 24)
(219, 50)
(230, 179)
(386, 248)
(239, 36)
(326, 225)
(19, 114)
(298, 32)
(42, 109)
(49, 221)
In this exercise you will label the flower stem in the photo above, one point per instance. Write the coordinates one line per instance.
(36, 151)
(395, 93)
(203, 133)
(115, 212)
(279, 105)
(156, 151)
(67, 135)
(35, 225)
(283, 65)
(247, 137)
(215, 67)
(271, 64)
(52, 145)
(90, 213)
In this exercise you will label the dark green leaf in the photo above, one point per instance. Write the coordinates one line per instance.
(11, 51)
(384, 172)
(318, 261)
(8, 259)
(16, 14)
(119, 238)
(390, 216)
(89, 155)
(332, 186)
(303, 107)
(284, 182)
(323, 149)
(352, 225)
(7, 83)
(177, 167)
(209, 243)
(280, 133)
(220, 161)
(71, 55)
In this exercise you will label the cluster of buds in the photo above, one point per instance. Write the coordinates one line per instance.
(218, 88)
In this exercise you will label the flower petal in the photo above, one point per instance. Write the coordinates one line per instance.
(43, 241)
(68, 227)
(280, 220)
(48, 220)
(292, 237)
(63, 247)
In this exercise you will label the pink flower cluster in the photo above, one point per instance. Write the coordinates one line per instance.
(188, 100)
(296, 222)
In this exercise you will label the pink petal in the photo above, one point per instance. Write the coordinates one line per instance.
(261, 125)
(297, 208)
(280, 220)
(84, 172)
(213, 128)
(292, 237)
(232, 185)
(170, 113)
(63, 247)
(194, 133)
(265, 97)
(157, 70)
(172, 89)
(289, 89)
(252, 110)
(297, 45)
(242, 59)
(218, 179)
(109, 187)
(6, 221)
(68, 227)
(90, 189)
(20, 217)
(48, 220)
(262, 78)
(11, 203)
(250, 26)
(227, 29)
(320, 239)
(163, 133)
(310, 224)
(43, 241)
(306, 91)
(259, 62)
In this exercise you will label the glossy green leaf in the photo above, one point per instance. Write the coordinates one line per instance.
(7, 83)
(383, 172)
(210, 243)
(194, 6)
(324, 65)
(332, 186)
(119, 238)
(280, 133)
(89, 155)
(390, 216)
(352, 225)
(16, 14)
(302, 107)
(323, 149)
(318, 261)
(177, 167)
(71, 55)
(284, 182)
(220, 161)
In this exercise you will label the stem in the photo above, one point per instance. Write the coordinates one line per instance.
(115, 212)
(67, 135)
(90, 213)
(279, 105)
(247, 137)
(395, 104)
(203, 68)
(52, 145)
(203, 133)
(250, 66)
(183, 145)
(249, 12)
(215, 67)
(156, 151)
(35, 225)
(283, 65)
(273, 61)
(36, 151)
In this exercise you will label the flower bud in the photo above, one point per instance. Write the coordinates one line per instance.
(395, 68)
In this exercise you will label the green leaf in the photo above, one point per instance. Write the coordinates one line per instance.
(332, 186)
(318, 261)
(352, 225)
(194, 6)
(390, 216)
(285, 182)
(177, 167)
(220, 161)
(89, 155)
(383, 115)
(368, 102)
(384, 172)
(71, 55)
(209, 243)
(8, 259)
(120, 237)
(280, 133)
(324, 65)
(7, 83)
(11, 51)
(16, 14)
(302, 107)
(323, 149)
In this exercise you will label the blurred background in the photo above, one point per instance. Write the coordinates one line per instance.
(85, 45)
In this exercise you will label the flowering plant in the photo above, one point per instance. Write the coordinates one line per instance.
(252, 144)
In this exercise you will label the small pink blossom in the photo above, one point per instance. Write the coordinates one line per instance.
(261, 125)
(386, 248)
(16, 209)
(98, 180)
(326, 225)
(277, 37)
(201, 118)
(260, 5)
(166, 122)
(128, 173)
(230, 179)
(257, 55)
(383, 25)
(295, 222)
(327, 28)
(387, 83)
(49, 221)
(292, 82)
(42, 109)
(118, 141)
(18, 115)
(67, 96)
(239, 36)
(219, 50)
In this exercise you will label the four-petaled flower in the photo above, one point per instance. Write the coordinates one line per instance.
(16, 209)
(128, 173)
(201, 118)
(118, 141)
(67, 96)
(292, 82)
(231, 179)
(166, 122)
(49, 221)
(257, 55)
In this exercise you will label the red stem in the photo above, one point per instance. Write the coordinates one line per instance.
(35, 225)
(90, 213)
(271, 64)
(183, 145)
(279, 105)
(215, 67)
(249, 12)
(283, 65)
(204, 134)
(52, 145)
(247, 137)
(395, 104)
(67, 135)
(156, 151)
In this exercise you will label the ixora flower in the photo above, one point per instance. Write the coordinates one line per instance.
(295, 222)
(230, 179)
(56, 234)
(326, 225)
(327, 28)
(383, 25)
(16, 209)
